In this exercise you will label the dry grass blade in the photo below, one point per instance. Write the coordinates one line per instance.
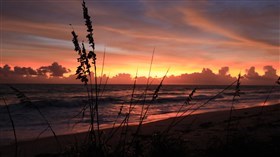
(102, 69)
(92, 55)
(116, 119)
(104, 86)
(147, 85)
(83, 72)
(24, 99)
(129, 112)
(155, 95)
(41, 133)
(183, 115)
(236, 93)
(267, 97)
(13, 125)
(127, 115)
(187, 103)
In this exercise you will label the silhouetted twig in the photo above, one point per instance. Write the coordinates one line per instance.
(267, 97)
(187, 102)
(236, 93)
(25, 100)
(146, 89)
(154, 97)
(183, 116)
(13, 125)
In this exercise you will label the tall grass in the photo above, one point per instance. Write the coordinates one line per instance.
(27, 101)
(236, 94)
(186, 113)
(92, 56)
(102, 70)
(147, 85)
(186, 103)
(277, 82)
(154, 97)
(13, 125)
(259, 119)
(86, 60)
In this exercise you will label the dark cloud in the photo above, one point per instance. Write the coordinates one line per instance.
(29, 75)
(269, 77)
(252, 74)
(24, 71)
(5, 70)
(205, 77)
(270, 72)
(55, 70)
(224, 71)
(42, 71)
(122, 78)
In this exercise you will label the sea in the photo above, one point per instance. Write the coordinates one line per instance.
(61, 104)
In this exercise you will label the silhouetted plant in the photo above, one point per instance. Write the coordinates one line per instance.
(186, 103)
(267, 97)
(154, 97)
(13, 125)
(115, 121)
(236, 94)
(92, 56)
(147, 86)
(124, 132)
(83, 72)
(26, 101)
(184, 115)
(101, 75)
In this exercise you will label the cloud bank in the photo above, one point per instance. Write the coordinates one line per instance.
(54, 73)
(44, 74)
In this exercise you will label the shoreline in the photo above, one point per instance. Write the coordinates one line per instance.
(196, 128)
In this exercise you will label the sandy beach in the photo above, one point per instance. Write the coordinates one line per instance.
(202, 134)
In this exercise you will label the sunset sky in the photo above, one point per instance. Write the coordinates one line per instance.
(187, 35)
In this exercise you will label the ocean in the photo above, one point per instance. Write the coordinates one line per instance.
(61, 105)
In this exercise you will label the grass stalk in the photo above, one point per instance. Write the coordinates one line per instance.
(124, 131)
(187, 102)
(236, 93)
(267, 97)
(183, 116)
(25, 100)
(92, 55)
(269, 93)
(102, 69)
(147, 85)
(154, 97)
(13, 125)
